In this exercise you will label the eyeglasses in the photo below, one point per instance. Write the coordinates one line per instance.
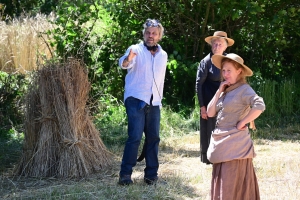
(152, 22)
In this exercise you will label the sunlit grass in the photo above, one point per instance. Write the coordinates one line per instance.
(277, 168)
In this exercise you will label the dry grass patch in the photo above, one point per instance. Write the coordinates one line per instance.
(21, 46)
(277, 166)
(278, 169)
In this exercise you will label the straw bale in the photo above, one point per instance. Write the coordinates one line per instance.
(60, 137)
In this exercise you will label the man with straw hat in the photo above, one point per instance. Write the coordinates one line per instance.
(231, 149)
(207, 83)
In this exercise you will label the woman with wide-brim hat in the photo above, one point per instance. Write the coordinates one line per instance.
(207, 83)
(231, 149)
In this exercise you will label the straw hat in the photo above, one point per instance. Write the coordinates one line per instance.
(220, 34)
(217, 60)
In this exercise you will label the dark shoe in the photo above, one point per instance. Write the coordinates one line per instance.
(125, 180)
(151, 181)
(154, 181)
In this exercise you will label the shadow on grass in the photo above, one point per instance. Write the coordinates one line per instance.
(102, 185)
(10, 152)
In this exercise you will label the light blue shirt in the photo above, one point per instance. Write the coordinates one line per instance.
(145, 74)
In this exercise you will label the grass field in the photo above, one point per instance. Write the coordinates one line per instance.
(277, 168)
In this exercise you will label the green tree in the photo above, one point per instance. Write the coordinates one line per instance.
(265, 33)
(10, 8)
(48, 6)
(14, 8)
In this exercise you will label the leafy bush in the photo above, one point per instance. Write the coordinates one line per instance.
(12, 89)
(110, 118)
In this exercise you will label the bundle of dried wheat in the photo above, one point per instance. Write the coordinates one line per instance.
(60, 137)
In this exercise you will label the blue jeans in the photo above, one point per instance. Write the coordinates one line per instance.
(141, 118)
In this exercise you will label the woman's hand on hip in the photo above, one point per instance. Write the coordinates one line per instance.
(203, 112)
(241, 126)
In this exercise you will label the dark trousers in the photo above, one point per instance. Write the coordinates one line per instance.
(141, 118)
(206, 128)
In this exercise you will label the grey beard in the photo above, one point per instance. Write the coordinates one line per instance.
(151, 44)
(151, 48)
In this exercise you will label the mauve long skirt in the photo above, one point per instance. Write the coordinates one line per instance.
(234, 180)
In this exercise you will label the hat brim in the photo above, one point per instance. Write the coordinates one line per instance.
(217, 61)
(230, 41)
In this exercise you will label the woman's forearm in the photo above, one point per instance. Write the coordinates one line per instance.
(251, 116)
(211, 108)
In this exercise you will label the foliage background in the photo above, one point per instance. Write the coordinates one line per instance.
(266, 35)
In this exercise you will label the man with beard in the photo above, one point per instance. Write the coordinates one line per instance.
(146, 66)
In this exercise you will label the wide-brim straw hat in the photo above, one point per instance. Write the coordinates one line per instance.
(217, 61)
(220, 34)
